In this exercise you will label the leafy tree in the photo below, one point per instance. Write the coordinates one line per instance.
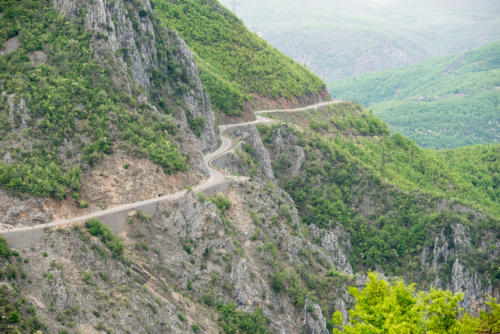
(394, 307)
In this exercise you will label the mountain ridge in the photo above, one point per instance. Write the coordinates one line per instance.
(441, 103)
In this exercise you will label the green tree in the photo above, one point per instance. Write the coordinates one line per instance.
(394, 307)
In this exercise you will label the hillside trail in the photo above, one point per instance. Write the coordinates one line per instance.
(216, 176)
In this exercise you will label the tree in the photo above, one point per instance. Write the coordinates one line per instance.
(394, 307)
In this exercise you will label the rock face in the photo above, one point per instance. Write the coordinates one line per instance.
(128, 39)
(131, 42)
(285, 149)
(177, 264)
(14, 210)
(336, 243)
(315, 321)
(250, 157)
(448, 262)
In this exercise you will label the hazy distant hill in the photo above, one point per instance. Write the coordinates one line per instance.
(445, 102)
(338, 39)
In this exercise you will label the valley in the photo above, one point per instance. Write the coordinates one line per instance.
(165, 170)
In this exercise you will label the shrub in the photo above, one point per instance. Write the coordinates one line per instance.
(196, 124)
(4, 248)
(221, 202)
(96, 228)
(278, 280)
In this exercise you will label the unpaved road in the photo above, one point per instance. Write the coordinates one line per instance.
(215, 176)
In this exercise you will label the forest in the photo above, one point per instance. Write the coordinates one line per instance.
(440, 103)
(350, 155)
(235, 65)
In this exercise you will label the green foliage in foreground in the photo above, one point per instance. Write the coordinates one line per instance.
(441, 103)
(70, 101)
(384, 307)
(234, 321)
(235, 65)
(96, 228)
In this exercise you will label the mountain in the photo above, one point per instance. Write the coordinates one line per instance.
(239, 70)
(440, 103)
(129, 205)
(340, 39)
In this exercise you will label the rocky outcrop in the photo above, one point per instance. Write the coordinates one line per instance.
(250, 158)
(315, 320)
(22, 211)
(196, 99)
(131, 40)
(447, 257)
(287, 155)
(337, 244)
(10, 45)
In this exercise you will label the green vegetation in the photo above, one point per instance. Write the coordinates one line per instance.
(96, 228)
(68, 99)
(16, 314)
(4, 248)
(383, 307)
(221, 202)
(235, 65)
(342, 38)
(350, 158)
(234, 321)
(441, 103)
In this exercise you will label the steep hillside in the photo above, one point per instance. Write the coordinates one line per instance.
(103, 114)
(343, 38)
(240, 71)
(444, 102)
(82, 92)
(423, 215)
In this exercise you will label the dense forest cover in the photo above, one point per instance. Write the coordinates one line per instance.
(350, 157)
(345, 38)
(61, 115)
(440, 103)
(235, 65)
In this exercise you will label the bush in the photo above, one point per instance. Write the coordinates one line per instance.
(278, 280)
(96, 228)
(4, 248)
(221, 202)
(234, 321)
(196, 124)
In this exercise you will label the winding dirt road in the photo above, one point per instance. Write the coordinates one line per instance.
(216, 177)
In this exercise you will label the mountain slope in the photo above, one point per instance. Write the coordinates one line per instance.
(408, 211)
(339, 39)
(444, 102)
(106, 93)
(239, 70)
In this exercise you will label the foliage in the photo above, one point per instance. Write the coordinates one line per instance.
(196, 124)
(16, 314)
(66, 106)
(440, 103)
(235, 65)
(4, 248)
(222, 202)
(234, 321)
(384, 191)
(490, 319)
(384, 307)
(338, 39)
(96, 228)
